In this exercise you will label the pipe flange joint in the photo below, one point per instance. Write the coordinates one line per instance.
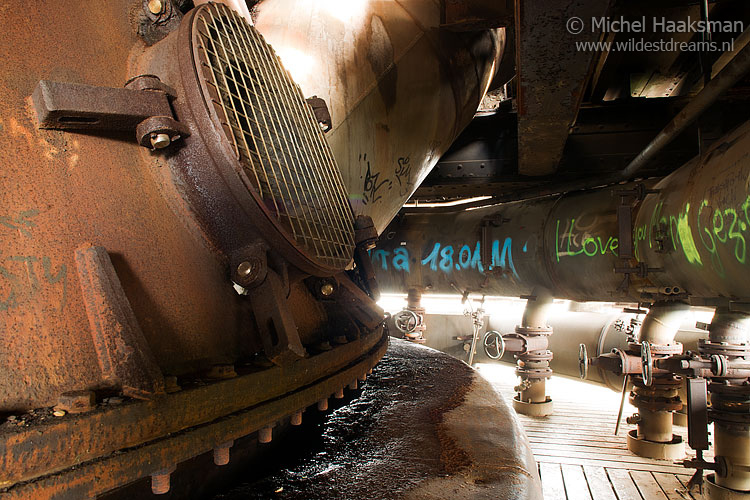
(534, 330)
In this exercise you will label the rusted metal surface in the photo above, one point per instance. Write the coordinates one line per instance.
(29, 453)
(161, 241)
(92, 478)
(552, 76)
(696, 227)
(399, 89)
(124, 356)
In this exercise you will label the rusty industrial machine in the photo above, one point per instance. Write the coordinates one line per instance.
(186, 216)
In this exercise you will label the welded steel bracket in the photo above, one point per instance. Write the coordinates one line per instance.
(142, 106)
(278, 331)
(123, 353)
(321, 112)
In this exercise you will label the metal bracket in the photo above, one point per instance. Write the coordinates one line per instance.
(142, 106)
(629, 198)
(321, 112)
(278, 331)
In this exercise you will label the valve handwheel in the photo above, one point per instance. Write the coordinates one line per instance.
(406, 321)
(583, 361)
(647, 364)
(494, 345)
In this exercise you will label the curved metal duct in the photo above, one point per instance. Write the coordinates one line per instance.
(399, 88)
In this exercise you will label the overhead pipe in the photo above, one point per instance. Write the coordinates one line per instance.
(678, 230)
(728, 76)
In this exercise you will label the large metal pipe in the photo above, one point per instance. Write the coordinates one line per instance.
(529, 342)
(689, 237)
(399, 88)
(726, 78)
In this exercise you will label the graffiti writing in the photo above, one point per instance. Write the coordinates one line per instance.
(720, 229)
(372, 184)
(21, 280)
(445, 258)
(403, 176)
(21, 222)
(574, 238)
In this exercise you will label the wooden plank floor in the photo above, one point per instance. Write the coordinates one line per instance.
(579, 456)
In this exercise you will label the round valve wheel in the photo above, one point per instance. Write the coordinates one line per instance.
(406, 321)
(647, 363)
(494, 345)
(583, 361)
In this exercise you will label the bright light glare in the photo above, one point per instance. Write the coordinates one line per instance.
(452, 203)
(296, 62)
(344, 10)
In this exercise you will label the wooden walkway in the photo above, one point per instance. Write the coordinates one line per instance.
(579, 456)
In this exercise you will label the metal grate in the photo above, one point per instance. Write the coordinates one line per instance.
(274, 134)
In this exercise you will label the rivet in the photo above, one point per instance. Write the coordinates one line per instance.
(160, 141)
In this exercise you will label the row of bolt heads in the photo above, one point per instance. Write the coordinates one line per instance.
(160, 480)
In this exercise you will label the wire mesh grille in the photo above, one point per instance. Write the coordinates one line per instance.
(274, 134)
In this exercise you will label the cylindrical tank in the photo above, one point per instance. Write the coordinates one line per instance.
(398, 88)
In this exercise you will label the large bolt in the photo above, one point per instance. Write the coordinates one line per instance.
(246, 269)
(363, 377)
(265, 435)
(353, 385)
(296, 418)
(160, 481)
(155, 7)
(221, 453)
(327, 289)
(160, 141)
(339, 394)
(171, 385)
(323, 404)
